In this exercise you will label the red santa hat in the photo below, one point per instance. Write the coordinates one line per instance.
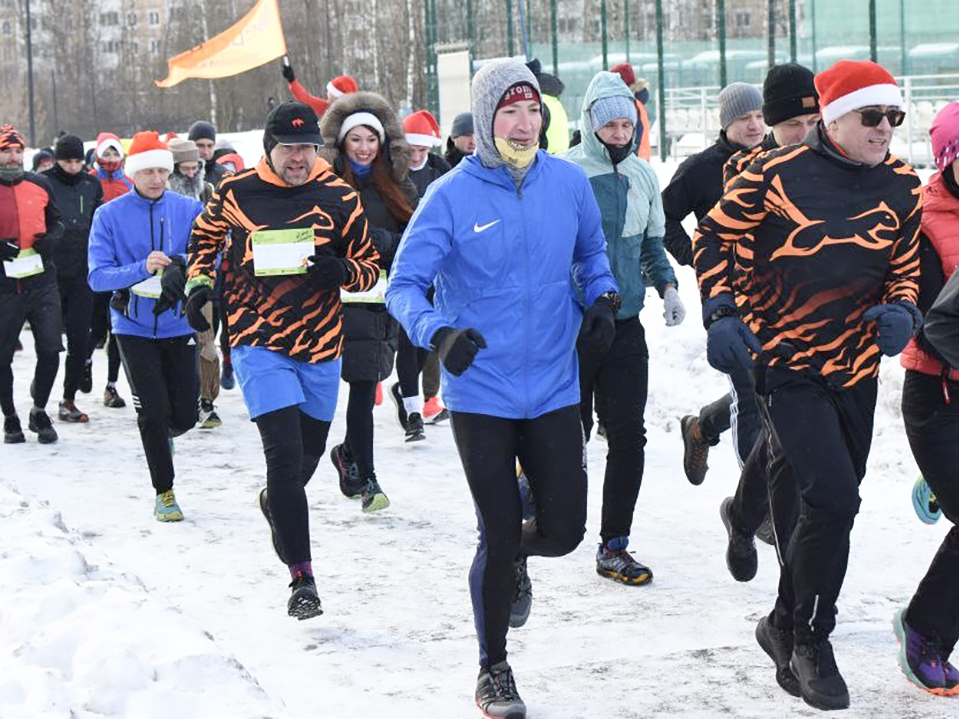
(422, 129)
(146, 152)
(340, 86)
(108, 139)
(852, 84)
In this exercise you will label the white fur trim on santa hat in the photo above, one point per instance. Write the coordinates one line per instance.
(333, 91)
(361, 118)
(110, 142)
(883, 94)
(423, 140)
(147, 160)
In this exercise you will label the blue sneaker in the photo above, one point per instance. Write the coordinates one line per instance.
(166, 509)
(925, 503)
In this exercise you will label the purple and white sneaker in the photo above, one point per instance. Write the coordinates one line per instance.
(919, 657)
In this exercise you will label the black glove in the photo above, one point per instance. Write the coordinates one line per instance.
(895, 323)
(457, 348)
(599, 323)
(195, 302)
(171, 285)
(120, 301)
(9, 249)
(288, 73)
(328, 272)
(42, 244)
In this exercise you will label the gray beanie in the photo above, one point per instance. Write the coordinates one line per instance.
(462, 125)
(735, 100)
(489, 85)
(614, 107)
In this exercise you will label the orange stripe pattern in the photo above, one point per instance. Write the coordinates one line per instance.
(805, 247)
(283, 313)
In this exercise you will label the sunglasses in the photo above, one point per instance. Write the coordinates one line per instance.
(872, 118)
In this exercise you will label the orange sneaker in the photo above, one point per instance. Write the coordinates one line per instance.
(434, 412)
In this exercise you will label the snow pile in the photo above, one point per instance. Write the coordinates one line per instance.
(86, 640)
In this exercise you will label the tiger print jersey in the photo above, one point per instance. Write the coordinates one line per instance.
(285, 313)
(744, 158)
(805, 242)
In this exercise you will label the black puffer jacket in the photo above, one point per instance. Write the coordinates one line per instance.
(370, 334)
(696, 187)
(433, 170)
(76, 197)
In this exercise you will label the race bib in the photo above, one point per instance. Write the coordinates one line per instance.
(151, 287)
(26, 264)
(377, 295)
(282, 252)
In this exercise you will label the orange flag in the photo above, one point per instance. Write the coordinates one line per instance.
(254, 41)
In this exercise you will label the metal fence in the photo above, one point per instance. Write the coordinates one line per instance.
(692, 116)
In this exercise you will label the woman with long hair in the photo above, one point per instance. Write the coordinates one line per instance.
(364, 142)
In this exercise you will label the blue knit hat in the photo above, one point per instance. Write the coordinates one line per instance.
(615, 107)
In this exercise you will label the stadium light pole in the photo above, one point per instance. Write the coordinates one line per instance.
(660, 64)
(721, 32)
(873, 49)
(33, 129)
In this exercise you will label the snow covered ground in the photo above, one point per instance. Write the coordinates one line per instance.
(105, 612)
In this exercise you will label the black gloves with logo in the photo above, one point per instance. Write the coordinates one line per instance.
(599, 323)
(9, 249)
(195, 302)
(328, 272)
(171, 285)
(457, 348)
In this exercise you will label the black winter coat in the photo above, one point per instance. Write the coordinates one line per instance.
(433, 170)
(696, 187)
(77, 197)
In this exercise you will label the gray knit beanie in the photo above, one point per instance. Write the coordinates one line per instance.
(735, 100)
(614, 107)
(489, 85)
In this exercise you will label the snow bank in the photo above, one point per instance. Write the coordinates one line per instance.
(82, 639)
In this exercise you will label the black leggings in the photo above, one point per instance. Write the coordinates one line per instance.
(932, 426)
(359, 426)
(100, 334)
(550, 448)
(410, 361)
(293, 443)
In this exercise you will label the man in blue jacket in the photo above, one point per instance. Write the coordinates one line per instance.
(138, 251)
(506, 237)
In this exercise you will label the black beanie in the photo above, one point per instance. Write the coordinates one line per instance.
(201, 130)
(789, 91)
(68, 147)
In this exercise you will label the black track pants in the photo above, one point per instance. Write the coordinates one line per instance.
(359, 425)
(618, 380)
(550, 448)
(819, 440)
(41, 306)
(76, 302)
(164, 380)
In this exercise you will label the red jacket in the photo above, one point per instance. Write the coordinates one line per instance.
(940, 223)
(27, 209)
(114, 183)
(319, 104)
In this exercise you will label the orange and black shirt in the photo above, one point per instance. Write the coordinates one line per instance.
(283, 313)
(807, 241)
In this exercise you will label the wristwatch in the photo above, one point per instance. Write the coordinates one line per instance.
(614, 300)
(720, 312)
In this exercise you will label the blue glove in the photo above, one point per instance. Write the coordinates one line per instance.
(895, 322)
(728, 343)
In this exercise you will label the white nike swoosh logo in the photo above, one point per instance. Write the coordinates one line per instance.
(480, 228)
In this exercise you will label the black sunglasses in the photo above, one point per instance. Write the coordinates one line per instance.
(872, 118)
